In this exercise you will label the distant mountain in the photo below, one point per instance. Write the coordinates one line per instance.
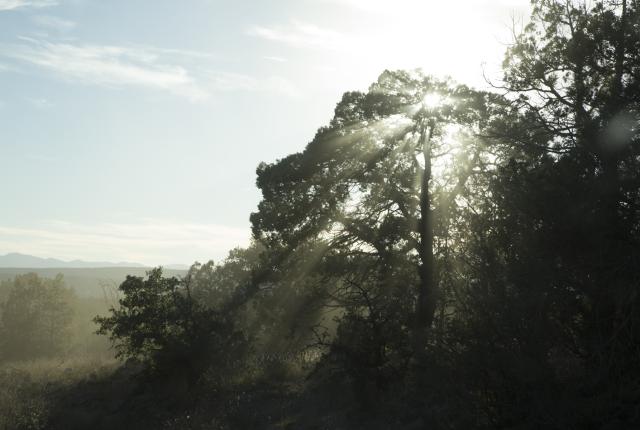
(175, 266)
(16, 260)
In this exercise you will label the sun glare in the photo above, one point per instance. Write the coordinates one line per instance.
(433, 100)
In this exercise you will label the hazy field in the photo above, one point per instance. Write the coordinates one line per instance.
(92, 282)
(29, 390)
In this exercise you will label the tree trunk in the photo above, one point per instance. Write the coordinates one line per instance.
(426, 305)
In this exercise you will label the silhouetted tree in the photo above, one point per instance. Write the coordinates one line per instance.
(364, 187)
(555, 240)
(160, 323)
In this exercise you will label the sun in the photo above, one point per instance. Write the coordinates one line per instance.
(433, 100)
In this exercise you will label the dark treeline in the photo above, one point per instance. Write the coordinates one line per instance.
(436, 257)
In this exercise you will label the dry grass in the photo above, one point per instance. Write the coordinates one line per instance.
(27, 388)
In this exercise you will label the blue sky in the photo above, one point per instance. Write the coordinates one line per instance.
(130, 129)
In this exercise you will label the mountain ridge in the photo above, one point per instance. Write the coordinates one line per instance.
(24, 261)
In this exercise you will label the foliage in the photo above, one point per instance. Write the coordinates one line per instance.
(160, 323)
(35, 316)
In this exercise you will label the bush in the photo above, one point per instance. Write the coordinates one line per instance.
(159, 323)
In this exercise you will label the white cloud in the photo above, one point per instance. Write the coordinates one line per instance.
(183, 73)
(301, 34)
(18, 4)
(149, 242)
(54, 23)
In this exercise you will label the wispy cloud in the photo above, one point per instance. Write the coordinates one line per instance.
(106, 65)
(183, 73)
(18, 4)
(149, 242)
(54, 23)
(302, 34)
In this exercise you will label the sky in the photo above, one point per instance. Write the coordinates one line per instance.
(130, 130)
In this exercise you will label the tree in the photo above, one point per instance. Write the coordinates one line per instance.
(574, 71)
(363, 188)
(370, 209)
(552, 242)
(36, 317)
(160, 323)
